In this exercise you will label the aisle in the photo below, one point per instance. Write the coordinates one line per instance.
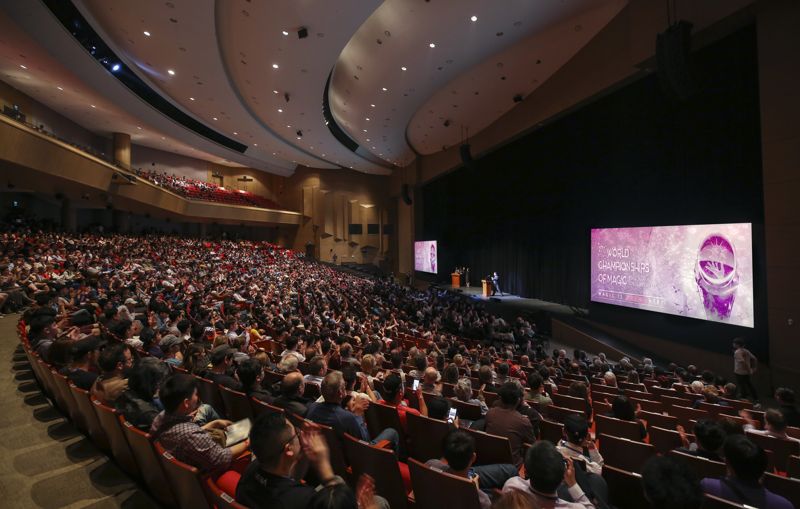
(44, 461)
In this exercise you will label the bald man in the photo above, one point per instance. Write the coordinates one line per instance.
(291, 398)
(430, 381)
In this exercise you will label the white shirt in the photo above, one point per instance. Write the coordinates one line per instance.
(545, 501)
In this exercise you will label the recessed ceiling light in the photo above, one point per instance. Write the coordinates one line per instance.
(384, 89)
(138, 127)
(274, 91)
(191, 98)
(372, 105)
(59, 88)
(22, 66)
(170, 72)
(367, 119)
(146, 33)
(364, 130)
(274, 66)
(115, 68)
(285, 32)
(163, 138)
(280, 110)
(299, 137)
(289, 126)
(255, 144)
(235, 133)
(473, 18)
(215, 118)
(404, 68)
(323, 155)
(431, 45)
(93, 106)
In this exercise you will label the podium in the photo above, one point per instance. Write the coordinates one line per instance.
(455, 279)
(487, 287)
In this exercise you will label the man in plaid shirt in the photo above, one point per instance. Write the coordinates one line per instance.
(183, 438)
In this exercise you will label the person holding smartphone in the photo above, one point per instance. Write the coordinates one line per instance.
(577, 440)
(393, 396)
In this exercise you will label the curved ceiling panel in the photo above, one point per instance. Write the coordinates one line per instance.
(413, 63)
(281, 78)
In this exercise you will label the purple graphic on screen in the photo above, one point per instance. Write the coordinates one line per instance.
(716, 276)
(697, 271)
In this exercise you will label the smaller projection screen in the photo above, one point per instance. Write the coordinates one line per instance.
(425, 256)
(697, 271)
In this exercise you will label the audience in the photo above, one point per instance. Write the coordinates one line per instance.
(710, 437)
(139, 403)
(668, 484)
(115, 361)
(576, 440)
(505, 420)
(82, 371)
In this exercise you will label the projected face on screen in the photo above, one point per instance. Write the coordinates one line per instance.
(698, 271)
(425, 256)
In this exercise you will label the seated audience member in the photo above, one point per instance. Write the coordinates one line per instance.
(393, 396)
(115, 361)
(458, 460)
(730, 391)
(710, 395)
(251, 374)
(268, 481)
(171, 346)
(340, 496)
(576, 440)
(580, 390)
(450, 374)
(292, 345)
(610, 379)
(486, 379)
(536, 393)
(463, 392)
(710, 437)
(221, 364)
(774, 424)
(430, 382)
(622, 408)
(668, 484)
(439, 408)
(505, 420)
(516, 499)
(746, 463)
(83, 370)
(139, 404)
(288, 364)
(150, 340)
(185, 439)
(351, 421)
(291, 394)
(547, 469)
(420, 362)
(357, 384)
(788, 406)
(316, 370)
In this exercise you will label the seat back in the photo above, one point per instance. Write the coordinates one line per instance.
(660, 420)
(781, 448)
(647, 405)
(434, 488)
(624, 488)
(701, 466)
(558, 414)
(600, 407)
(617, 427)
(312, 391)
(426, 436)
(209, 394)
(551, 431)
(149, 464)
(686, 415)
(625, 454)
(712, 502)
(186, 481)
(491, 449)
(219, 498)
(236, 404)
(107, 417)
(93, 426)
(665, 440)
(793, 467)
(679, 400)
(379, 417)
(66, 401)
(259, 407)
(336, 450)
(381, 465)
(468, 411)
(784, 486)
(572, 402)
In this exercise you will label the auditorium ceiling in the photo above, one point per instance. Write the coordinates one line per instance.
(370, 85)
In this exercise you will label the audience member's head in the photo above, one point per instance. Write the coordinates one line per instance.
(438, 407)
(178, 394)
(115, 359)
(510, 394)
(785, 396)
(274, 441)
(292, 385)
(745, 459)
(576, 429)
(775, 421)
(622, 408)
(545, 467)
(333, 388)
(459, 450)
(710, 435)
(146, 377)
(250, 372)
(463, 389)
(668, 484)
(393, 388)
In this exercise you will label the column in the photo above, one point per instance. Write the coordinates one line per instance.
(122, 149)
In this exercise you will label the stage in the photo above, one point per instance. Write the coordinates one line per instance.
(516, 302)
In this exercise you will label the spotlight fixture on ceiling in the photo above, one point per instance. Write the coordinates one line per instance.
(432, 45)
(115, 68)
(299, 133)
(518, 98)
(146, 33)
(170, 72)
(302, 33)
(447, 123)
(274, 66)
(286, 96)
(474, 19)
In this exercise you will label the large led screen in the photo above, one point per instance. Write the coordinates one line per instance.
(698, 271)
(425, 256)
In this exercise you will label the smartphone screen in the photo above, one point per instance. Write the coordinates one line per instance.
(415, 385)
(452, 415)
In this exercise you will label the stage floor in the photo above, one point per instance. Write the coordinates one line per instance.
(508, 300)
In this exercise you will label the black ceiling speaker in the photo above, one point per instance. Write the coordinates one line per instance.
(466, 155)
(672, 56)
(302, 33)
(407, 194)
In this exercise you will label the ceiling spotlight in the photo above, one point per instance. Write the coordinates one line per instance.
(285, 32)
(299, 134)
(518, 98)
(139, 127)
(235, 133)
(367, 139)
(372, 105)
(431, 45)
(384, 89)
(115, 68)
(302, 33)
(280, 110)
(367, 119)
(364, 130)
(22, 66)
(215, 118)
(191, 98)
(404, 68)
(170, 72)
(473, 18)
(274, 91)
(163, 138)
(59, 88)
(274, 66)
(255, 144)
(286, 96)
(146, 33)
(93, 106)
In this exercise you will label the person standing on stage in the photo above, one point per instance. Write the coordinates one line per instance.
(744, 365)
(495, 284)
